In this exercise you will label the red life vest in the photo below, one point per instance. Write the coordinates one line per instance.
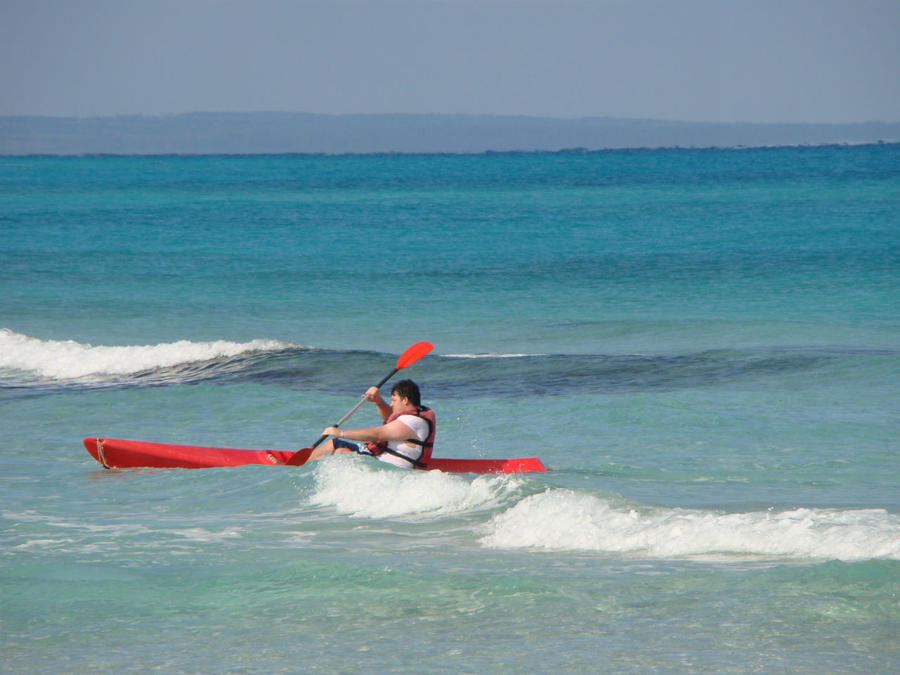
(426, 414)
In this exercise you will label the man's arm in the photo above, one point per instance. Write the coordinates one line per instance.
(384, 409)
(395, 431)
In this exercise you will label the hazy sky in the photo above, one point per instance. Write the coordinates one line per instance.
(693, 60)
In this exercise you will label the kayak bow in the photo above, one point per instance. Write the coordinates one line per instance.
(116, 453)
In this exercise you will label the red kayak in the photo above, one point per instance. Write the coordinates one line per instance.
(115, 453)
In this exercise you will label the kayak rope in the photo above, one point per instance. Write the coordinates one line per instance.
(101, 454)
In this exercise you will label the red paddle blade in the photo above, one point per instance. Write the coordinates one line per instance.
(413, 354)
(299, 457)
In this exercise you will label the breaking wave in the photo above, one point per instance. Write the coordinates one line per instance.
(367, 490)
(566, 520)
(35, 364)
(70, 360)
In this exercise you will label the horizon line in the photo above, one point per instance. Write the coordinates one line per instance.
(496, 116)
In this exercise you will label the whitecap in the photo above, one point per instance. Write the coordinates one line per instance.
(367, 489)
(68, 359)
(566, 520)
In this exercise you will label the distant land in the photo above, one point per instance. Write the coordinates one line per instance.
(263, 133)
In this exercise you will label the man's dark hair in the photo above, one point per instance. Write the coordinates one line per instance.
(408, 389)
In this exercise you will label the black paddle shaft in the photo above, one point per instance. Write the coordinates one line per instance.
(324, 437)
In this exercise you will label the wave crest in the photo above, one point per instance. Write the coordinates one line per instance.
(70, 360)
(363, 490)
(560, 519)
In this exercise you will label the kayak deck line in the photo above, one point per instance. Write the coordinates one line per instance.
(118, 453)
(101, 455)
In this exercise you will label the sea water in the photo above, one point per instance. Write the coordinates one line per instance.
(702, 345)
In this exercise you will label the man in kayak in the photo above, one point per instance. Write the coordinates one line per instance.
(405, 439)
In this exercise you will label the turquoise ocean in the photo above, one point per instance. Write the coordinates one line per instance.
(703, 346)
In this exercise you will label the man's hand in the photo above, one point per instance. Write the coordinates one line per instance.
(372, 394)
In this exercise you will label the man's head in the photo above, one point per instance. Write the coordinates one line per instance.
(409, 390)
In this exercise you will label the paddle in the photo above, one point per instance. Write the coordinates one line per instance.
(410, 356)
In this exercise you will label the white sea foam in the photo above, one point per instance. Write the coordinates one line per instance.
(203, 535)
(369, 490)
(86, 536)
(561, 519)
(67, 359)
